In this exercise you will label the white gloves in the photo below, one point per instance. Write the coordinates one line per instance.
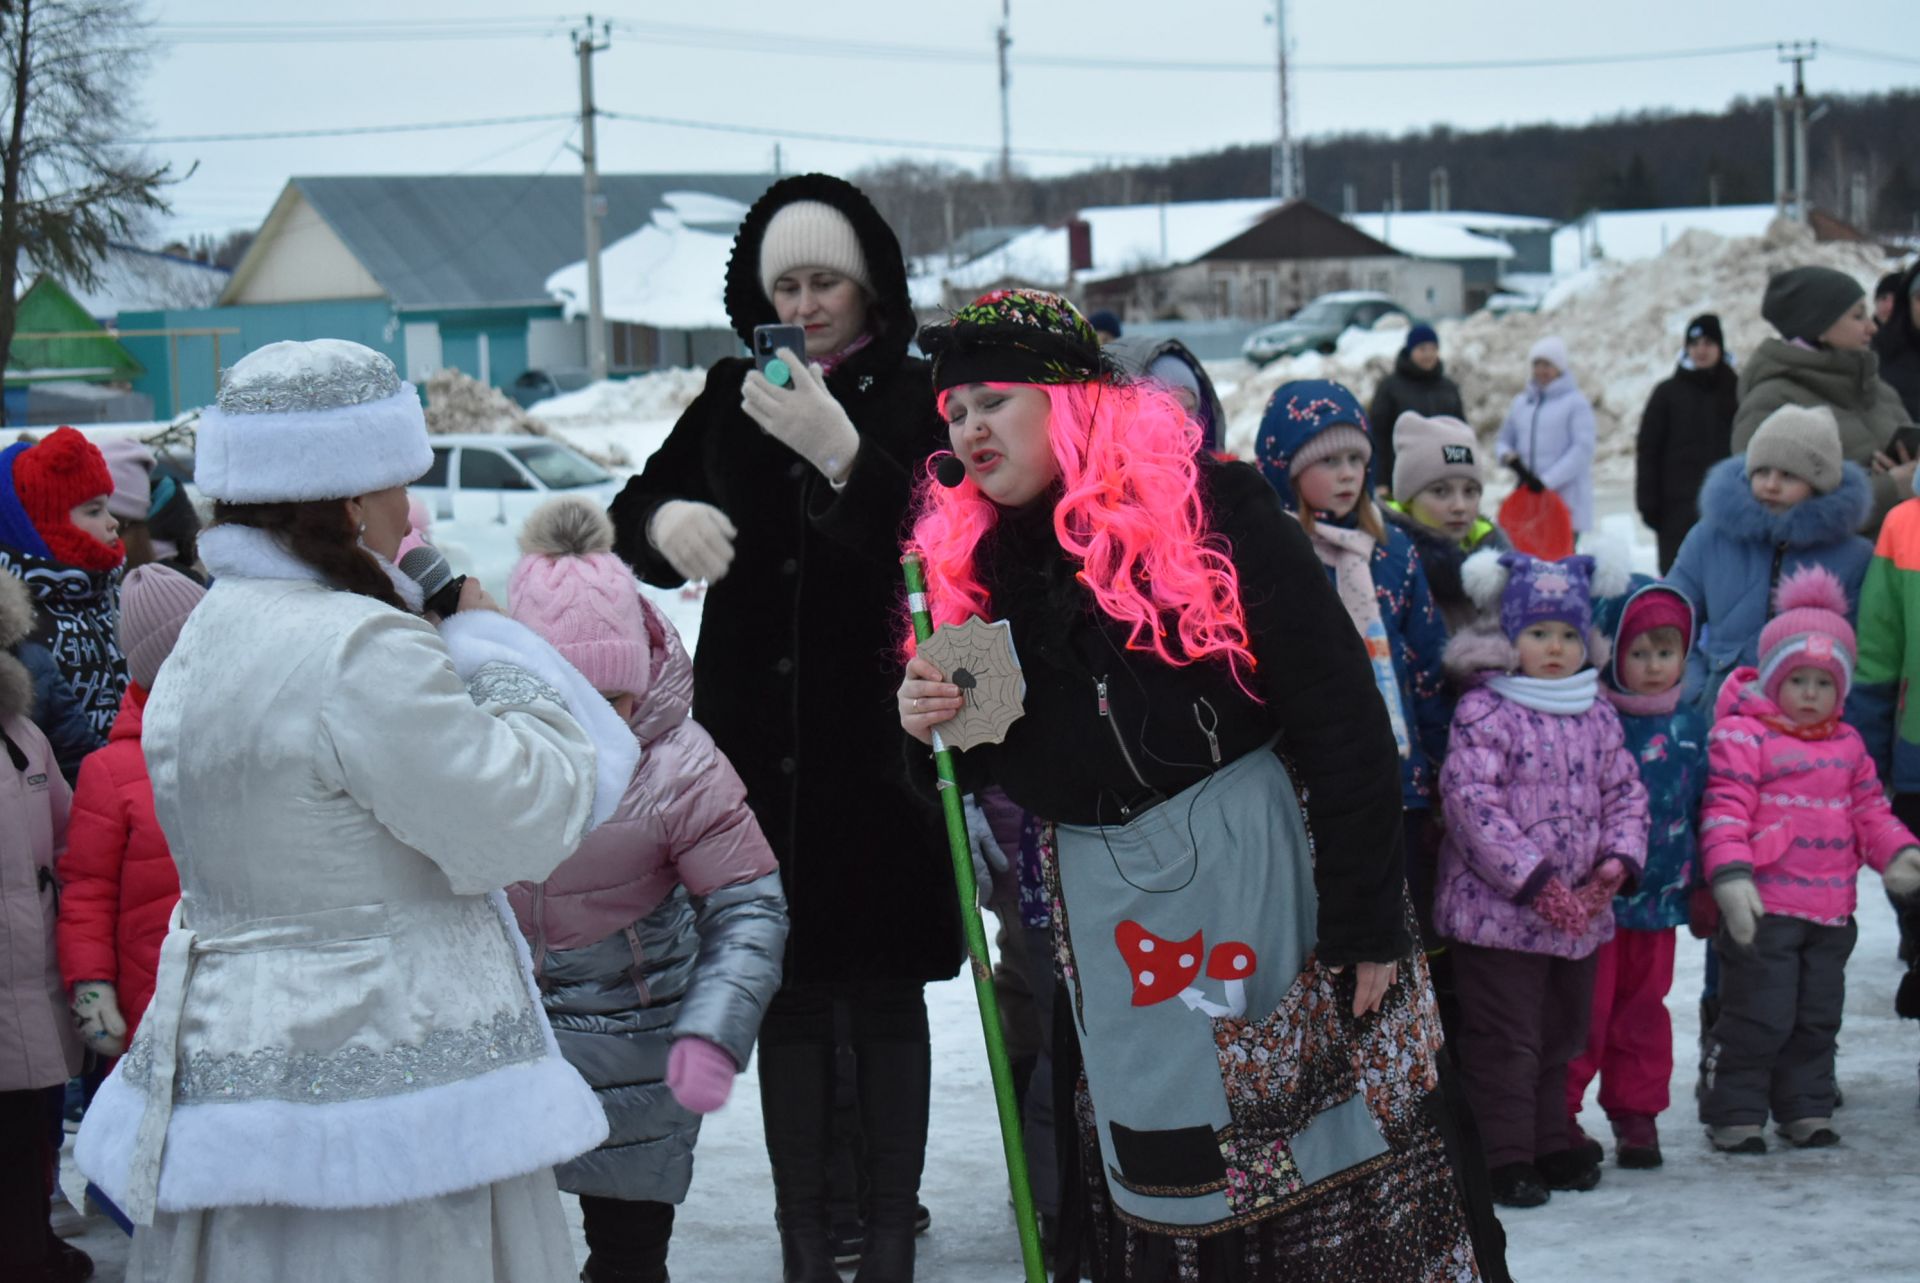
(988, 857)
(805, 418)
(695, 538)
(1740, 907)
(96, 1014)
(1902, 876)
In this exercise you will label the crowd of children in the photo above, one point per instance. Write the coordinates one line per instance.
(1593, 762)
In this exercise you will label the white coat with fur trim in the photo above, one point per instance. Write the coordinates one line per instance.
(344, 1015)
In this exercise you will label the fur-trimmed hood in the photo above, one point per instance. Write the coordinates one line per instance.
(17, 619)
(1728, 506)
(890, 319)
(1477, 653)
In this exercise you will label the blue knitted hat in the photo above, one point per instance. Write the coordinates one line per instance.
(1305, 421)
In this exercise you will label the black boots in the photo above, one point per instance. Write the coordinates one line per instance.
(895, 1078)
(796, 1100)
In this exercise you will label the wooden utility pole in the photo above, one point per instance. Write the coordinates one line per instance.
(595, 204)
(1003, 39)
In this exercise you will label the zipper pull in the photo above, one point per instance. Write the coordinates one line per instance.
(1100, 689)
(1208, 730)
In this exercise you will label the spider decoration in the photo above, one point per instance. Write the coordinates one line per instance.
(979, 658)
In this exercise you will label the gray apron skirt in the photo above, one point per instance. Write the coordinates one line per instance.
(1228, 1076)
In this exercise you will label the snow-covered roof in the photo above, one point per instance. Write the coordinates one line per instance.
(142, 280)
(1480, 220)
(1125, 238)
(1425, 234)
(1628, 235)
(671, 274)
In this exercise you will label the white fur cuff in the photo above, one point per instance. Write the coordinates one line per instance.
(476, 638)
(312, 454)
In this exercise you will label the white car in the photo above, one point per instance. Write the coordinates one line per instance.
(481, 488)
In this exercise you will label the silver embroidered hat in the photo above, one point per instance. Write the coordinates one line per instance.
(324, 419)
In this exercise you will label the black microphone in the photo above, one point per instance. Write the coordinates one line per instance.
(439, 586)
(949, 471)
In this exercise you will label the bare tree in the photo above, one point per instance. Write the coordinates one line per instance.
(69, 187)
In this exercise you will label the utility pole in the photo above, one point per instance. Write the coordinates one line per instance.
(594, 203)
(1782, 179)
(1003, 40)
(1799, 53)
(1289, 176)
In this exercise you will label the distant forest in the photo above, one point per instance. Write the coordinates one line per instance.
(1644, 161)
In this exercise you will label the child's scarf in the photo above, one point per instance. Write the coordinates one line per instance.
(1631, 705)
(1349, 554)
(1560, 696)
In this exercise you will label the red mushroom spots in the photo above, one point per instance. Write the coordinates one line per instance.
(1230, 961)
(1160, 968)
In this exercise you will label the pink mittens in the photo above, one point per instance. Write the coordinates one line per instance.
(1601, 886)
(1561, 908)
(699, 1075)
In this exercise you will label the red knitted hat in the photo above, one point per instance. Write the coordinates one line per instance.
(51, 479)
(1656, 609)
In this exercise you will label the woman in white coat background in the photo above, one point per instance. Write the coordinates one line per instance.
(345, 1072)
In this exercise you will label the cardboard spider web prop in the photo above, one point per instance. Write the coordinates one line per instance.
(978, 657)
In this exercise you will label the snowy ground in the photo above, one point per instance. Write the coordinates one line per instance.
(1841, 1214)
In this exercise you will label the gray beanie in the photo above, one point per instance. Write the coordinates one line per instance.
(1801, 439)
(1802, 302)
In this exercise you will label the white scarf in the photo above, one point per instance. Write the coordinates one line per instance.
(1561, 696)
(1348, 552)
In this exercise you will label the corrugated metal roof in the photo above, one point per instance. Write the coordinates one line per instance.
(488, 240)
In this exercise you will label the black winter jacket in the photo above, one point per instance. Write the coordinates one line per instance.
(1686, 428)
(798, 658)
(1067, 760)
(1425, 392)
(1898, 344)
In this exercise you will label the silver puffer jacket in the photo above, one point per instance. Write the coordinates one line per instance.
(668, 922)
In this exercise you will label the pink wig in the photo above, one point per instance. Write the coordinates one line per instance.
(1129, 513)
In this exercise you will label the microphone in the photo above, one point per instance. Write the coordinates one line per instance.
(439, 586)
(949, 471)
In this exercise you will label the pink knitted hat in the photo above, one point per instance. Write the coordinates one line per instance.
(154, 602)
(1810, 630)
(571, 589)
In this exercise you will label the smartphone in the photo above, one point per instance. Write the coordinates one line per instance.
(767, 342)
(1907, 439)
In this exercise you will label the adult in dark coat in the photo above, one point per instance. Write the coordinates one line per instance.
(1686, 428)
(790, 502)
(1898, 342)
(1419, 383)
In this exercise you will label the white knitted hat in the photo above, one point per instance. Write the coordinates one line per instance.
(326, 419)
(810, 233)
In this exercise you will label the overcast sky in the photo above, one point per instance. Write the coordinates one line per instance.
(913, 73)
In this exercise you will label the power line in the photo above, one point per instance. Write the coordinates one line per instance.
(346, 131)
(814, 136)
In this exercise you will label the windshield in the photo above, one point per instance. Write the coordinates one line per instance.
(1320, 314)
(558, 467)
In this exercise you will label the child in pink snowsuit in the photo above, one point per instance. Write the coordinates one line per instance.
(1793, 809)
(1546, 820)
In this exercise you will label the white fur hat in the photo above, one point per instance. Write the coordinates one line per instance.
(325, 419)
(810, 233)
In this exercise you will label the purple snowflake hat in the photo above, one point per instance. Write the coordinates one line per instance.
(1538, 591)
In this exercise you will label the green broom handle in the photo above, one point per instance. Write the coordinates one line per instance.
(960, 848)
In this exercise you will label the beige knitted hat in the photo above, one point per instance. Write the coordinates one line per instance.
(154, 602)
(810, 233)
(1801, 439)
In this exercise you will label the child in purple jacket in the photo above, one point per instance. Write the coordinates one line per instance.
(1546, 820)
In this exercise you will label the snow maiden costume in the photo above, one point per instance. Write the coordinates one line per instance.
(1236, 1120)
(345, 1071)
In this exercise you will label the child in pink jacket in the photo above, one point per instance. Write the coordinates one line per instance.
(1793, 809)
(659, 942)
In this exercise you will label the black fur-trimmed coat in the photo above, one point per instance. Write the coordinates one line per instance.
(798, 657)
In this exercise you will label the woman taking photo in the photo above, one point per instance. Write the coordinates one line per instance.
(344, 1071)
(1257, 1031)
(789, 501)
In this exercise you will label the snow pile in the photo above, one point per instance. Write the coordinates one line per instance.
(457, 402)
(1622, 324)
(622, 422)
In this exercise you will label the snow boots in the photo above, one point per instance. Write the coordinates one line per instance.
(1810, 1133)
(1739, 1138)
(1636, 1141)
(1518, 1185)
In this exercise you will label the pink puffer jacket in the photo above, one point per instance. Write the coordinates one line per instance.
(684, 821)
(1801, 815)
(1531, 796)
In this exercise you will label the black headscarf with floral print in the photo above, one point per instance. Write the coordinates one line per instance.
(1014, 336)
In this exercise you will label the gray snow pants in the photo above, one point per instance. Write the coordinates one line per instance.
(1780, 1001)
